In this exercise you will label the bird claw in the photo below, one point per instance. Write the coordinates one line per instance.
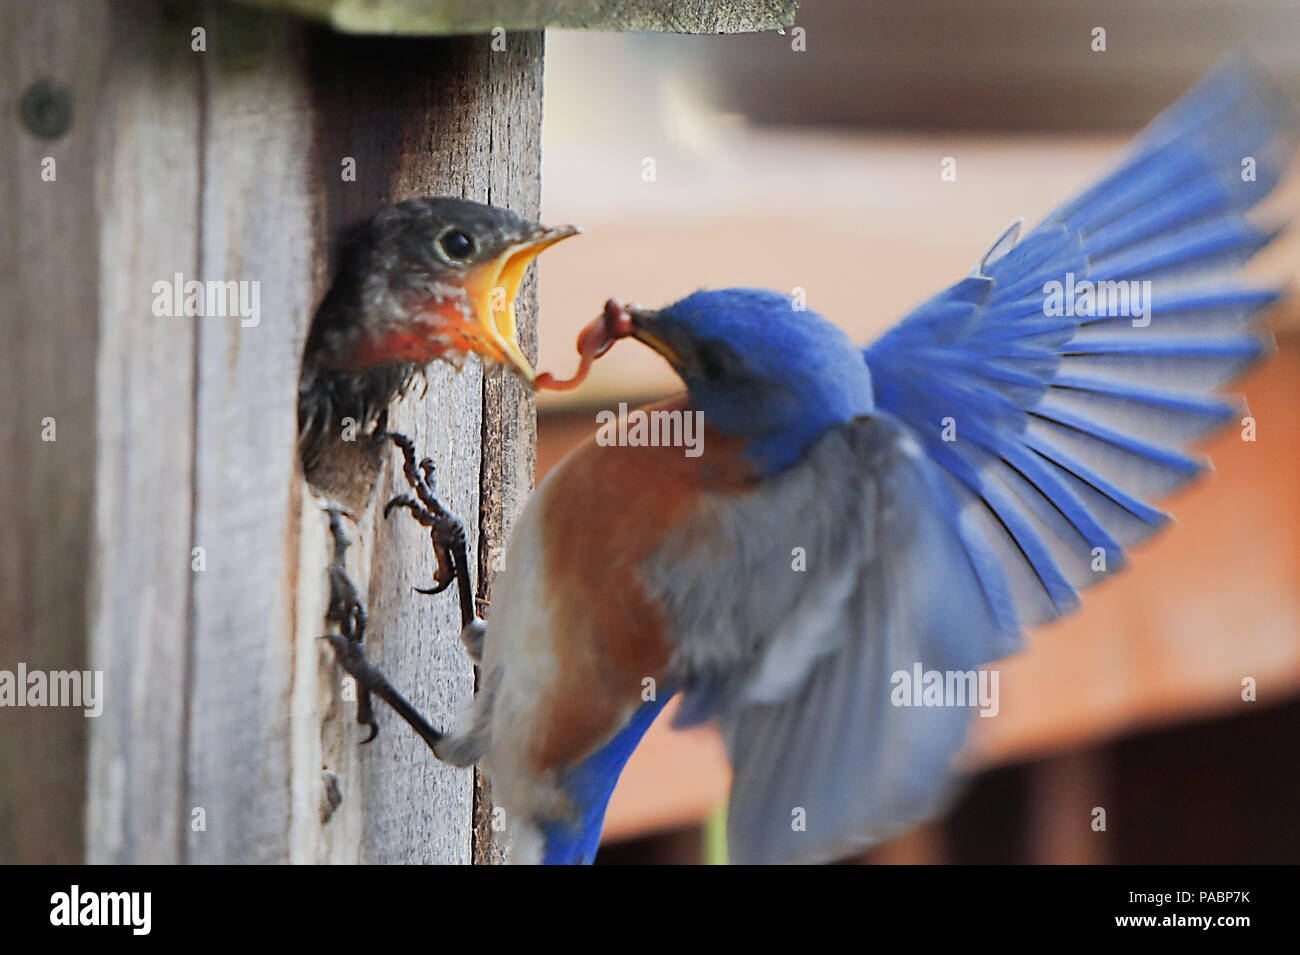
(446, 531)
(447, 534)
(347, 610)
(396, 501)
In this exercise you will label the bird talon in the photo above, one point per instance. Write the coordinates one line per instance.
(349, 613)
(446, 530)
(396, 501)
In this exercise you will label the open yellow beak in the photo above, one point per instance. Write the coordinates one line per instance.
(492, 289)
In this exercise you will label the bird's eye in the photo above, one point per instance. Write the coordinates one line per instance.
(456, 244)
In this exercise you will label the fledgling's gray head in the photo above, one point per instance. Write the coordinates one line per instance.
(426, 279)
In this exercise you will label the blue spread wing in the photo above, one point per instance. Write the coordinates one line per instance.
(1059, 427)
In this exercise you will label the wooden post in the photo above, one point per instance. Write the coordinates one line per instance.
(174, 481)
(159, 529)
(49, 271)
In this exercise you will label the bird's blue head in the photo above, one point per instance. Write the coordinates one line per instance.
(759, 368)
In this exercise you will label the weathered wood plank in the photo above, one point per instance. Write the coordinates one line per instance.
(434, 17)
(148, 151)
(257, 227)
(457, 118)
(225, 166)
(509, 442)
(48, 284)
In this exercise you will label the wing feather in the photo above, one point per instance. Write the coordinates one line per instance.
(797, 665)
(921, 546)
(1088, 416)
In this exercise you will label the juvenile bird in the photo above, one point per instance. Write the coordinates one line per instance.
(426, 279)
(960, 479)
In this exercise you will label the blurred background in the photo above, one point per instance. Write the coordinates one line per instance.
(717, 161)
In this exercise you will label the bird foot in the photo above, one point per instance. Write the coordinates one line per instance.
(446, 534)
(349, 613)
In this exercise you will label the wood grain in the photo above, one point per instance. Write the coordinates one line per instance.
(147, 149)
(258, 223)
(509, 445)
(48, 283)
(225, 716)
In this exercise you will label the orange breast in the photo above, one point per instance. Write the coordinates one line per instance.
(439, 329)
(606, 509)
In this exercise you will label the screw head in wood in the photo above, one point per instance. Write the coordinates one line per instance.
(46, 109)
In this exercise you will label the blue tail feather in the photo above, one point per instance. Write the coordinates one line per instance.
(589, 785)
